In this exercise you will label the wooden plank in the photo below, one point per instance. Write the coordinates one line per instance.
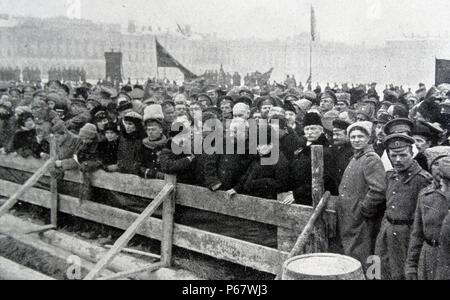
(146, 268)
(65, 245)
(10, 270)
(254, 256)
(127, 184)
(168, 223)
(244, 207)
(53, 187)
(24, 188)
(44, 247)
(137, 252)
(318, 190)
(41, 229)
(130, 232)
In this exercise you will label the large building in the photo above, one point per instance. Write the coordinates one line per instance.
(63, 42)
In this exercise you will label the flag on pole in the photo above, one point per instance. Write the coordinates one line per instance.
(165, 60)
(442, 71)
(313, 25)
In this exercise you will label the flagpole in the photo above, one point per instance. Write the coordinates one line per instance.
(310, 60)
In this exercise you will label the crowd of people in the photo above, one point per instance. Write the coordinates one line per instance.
(386, 156)
(27, 74)
(67, 74)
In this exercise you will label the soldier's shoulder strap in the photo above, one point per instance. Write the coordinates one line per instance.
(426, 175)
(428, 190)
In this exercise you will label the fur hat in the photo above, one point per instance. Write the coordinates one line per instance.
(241, 108)
(133, 117)
(89, 131)
(365, 125)
(153, 111)
(312, 119)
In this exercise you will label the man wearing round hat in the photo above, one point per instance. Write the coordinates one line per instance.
(301, 166)
(342, 149)
(404, 184)
(431, 210)
(291, 118)
(425, 137)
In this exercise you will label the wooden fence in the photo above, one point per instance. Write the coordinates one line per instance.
(289, 219)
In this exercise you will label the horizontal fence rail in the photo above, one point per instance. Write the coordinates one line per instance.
(290, 219)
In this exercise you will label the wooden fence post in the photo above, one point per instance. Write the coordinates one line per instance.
(53, 186)
(318, 189)
(168, 223)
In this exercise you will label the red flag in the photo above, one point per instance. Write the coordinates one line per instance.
(442, 71)
(165, 60)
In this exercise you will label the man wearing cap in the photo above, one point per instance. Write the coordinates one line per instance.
(404, 184)
(327, 101)
(343, 102)
(291, 118)
(425, 137)
(226, 104)
(341, 150)
(381, 121)
(265, 105)
(79, 115)
(66, 146)
(432, 208)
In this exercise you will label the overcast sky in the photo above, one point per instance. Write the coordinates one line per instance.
(350, 21)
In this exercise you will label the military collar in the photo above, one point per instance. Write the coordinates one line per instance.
(408, 174)
(366, 150)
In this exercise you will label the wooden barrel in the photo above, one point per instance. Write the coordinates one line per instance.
(322, 266)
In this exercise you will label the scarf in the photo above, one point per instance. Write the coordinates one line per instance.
(154, 144)
(23, 128)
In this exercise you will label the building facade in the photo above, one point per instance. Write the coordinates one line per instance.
(63, 43)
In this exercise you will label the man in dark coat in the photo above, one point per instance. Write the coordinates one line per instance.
(341, 150)
(301, 167)
(6, 124)
(404, 184)
(264, 180)
(152, 147)
(130, 144)
(24, 141)
(109, 146)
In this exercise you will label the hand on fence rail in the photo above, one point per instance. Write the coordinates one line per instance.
(231, 194)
